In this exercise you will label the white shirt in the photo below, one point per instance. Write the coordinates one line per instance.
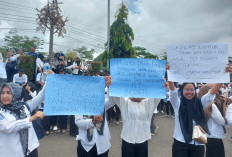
(21, 80)
(225, 92)
(39, 63)
(136, 118)
(216, 123)
(102, 141)
(75, 71)
(40, 77)
(175, 101)
(229, 114)
(10, 144)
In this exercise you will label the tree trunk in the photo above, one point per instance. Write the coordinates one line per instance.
(51, 45)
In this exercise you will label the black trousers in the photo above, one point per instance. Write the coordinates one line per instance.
(34, 153)
(112, 114)
(10, 74)
(81, 152)
(73, 126)
(134, 150)
(62, 121)
(169, 106)
(180, 149)
(215, 148)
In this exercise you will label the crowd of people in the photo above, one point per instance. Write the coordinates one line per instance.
(22, 121)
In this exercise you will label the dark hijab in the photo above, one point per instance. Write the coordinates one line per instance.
(17, 108)
(191, 110)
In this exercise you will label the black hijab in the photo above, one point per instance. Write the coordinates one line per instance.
(17, 108)
(191, 110)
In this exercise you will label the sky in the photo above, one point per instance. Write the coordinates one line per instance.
(155, 23)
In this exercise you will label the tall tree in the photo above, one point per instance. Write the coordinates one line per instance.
(141, 52)
(15, 41)
(84, 53)
(121, 35)
(49, 17)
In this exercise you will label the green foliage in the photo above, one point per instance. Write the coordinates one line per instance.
(71, 54)
(95, 67)
(141, 52)
(27, 62)
(84, 53)
(163, 56)
(15, 41)
(121, 36)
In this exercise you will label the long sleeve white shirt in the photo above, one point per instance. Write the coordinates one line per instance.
(74, 65)
(216, 123)
(229, 114)
(136, 118)
(102, 141)
(175, 101)
(10, 144)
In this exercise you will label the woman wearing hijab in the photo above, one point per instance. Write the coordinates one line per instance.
(189, 112)
(18, 137)
(94, 136)
(215, 116)
(16, 131)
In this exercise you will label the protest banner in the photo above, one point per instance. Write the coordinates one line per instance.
(137, 78)
(74, 95)
(2, 70)
(201, 63)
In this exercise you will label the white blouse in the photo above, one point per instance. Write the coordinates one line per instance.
(136, 118)
(102, 141)
(10, 145)
(216, 123)
(175, 101)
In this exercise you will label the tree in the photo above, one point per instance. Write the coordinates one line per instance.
(163, 56)
(141, 52)
(121, 36)
(49, 18)
(71, 54)
(15, 41)
(84, 53)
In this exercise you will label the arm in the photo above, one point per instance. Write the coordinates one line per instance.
(229, 115)
(13, 58)
(14, 125)
(82, 123)
(216, 87)
(37, 100)
(171, 85)
(217, 116)
(32, 94)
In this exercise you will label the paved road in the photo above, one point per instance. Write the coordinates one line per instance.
(63, 145)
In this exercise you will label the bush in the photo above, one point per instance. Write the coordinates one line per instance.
(27, 63)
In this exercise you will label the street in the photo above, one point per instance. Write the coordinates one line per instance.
(63, 145)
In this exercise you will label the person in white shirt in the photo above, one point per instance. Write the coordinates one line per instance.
(76, 67)
(18, 137)
(40, 80)
(188, 113)
(94, 136)
(225, 90)
(215, 116)
(136, 116)
(20, 78)
(39, 62)
(11, 63)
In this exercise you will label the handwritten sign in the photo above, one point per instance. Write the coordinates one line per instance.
(138, 78)
(202, 63)
(2, 70)
(74, 95)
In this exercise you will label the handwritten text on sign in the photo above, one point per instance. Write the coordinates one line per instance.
(74, 95)
(203, 63)
(138, 78)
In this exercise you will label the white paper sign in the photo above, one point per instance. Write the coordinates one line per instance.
(202, 63)
(2, 70)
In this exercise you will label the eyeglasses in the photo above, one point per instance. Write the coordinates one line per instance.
(7, 92)
(187, 90)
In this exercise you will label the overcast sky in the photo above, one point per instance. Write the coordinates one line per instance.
(156, 23)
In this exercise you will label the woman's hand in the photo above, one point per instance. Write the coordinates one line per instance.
(50, 72)
(228, 68)
(97, 119)
(38, 114)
